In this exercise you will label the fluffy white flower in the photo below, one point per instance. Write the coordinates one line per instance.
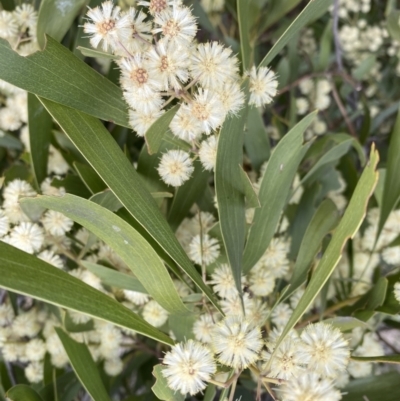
(26, 16)
(106, 23)
(35, 350)
(26, 324)
(208, 110)
(208, 152)
(176, 24)
(396, 291)
(391, 255)
(56, 223)
(175, 167)
(324, 350)
(141, 122)
(189, 366)
(262, 281)
(281, 314)
(8, 25)
(137, 298)
(51, 258)
(56, 163)
(263, 86)
(6, 314)
(169, 63)
(113, 367)
(155, 314)
(203, 328)
(213, 65)
(4, 223)
(204, 249)
(27, 236)
(231, 97)
(184, 125)
(236, 342)
(34, 372)
(223, 282)
(10, 119)
(308, 386)
(158, 6)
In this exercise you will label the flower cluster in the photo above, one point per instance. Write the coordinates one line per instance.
(161, 62)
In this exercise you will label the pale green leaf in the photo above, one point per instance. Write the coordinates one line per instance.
(10, 142)
(248, 190)
(158, 129)
(56, 17)
(346, 229)
(161, 389)
(393, 25)
(56, 74)
(90, 178)
(378, 359)
(182, 326)
(346, 323)
(274, 191)
(28, 275)
(324, 220)
(187, 194)
(84, 367)
(229, 191)
(40, 125)
(127, 243)
(314, 9)
(256, 139)
(383, 387)
(115, 278)
(22, 392)
(391, 190)
(107, 159)
(244, 30)
(88, 52)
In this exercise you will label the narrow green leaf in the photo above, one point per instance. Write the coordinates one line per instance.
(104, 155)
(378, 359)
(330, 156)
(90, 178)
(64, 388)
(256, 140)
(22, 392)
(274, 191)
(244, 30)
(55, 18)
(346, 323)
(161, 389)
(40, 125)
(325, 52)
(9, 141)
(107, 199)
(346, 229)
(314, 9)
(87, 52)
(248, 190)
(8, 5)
(115, 278)
(393, 24)
(229, 191)
(182, 327)
(187, 194)
(324, 220)
(56, 74)
(277, 10)
(381, 387)
(391, 191)
(84, 367)
(158, 129)
(127, 243)
(28, 275)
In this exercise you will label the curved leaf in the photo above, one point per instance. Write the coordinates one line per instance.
(127, 243)
(161, 389)
(378, 359)
(115, 278)
(55, 18)
(244, 29)
(274, 191)
(84, 367)
(314, 9)
(104, 155)
(391, 189)
(56, 74)
(22, 392)
(28, 275)
(346, 229)
(40, 125)
(230, 192)
(324, 220)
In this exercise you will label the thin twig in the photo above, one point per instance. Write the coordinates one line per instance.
(343, 110)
